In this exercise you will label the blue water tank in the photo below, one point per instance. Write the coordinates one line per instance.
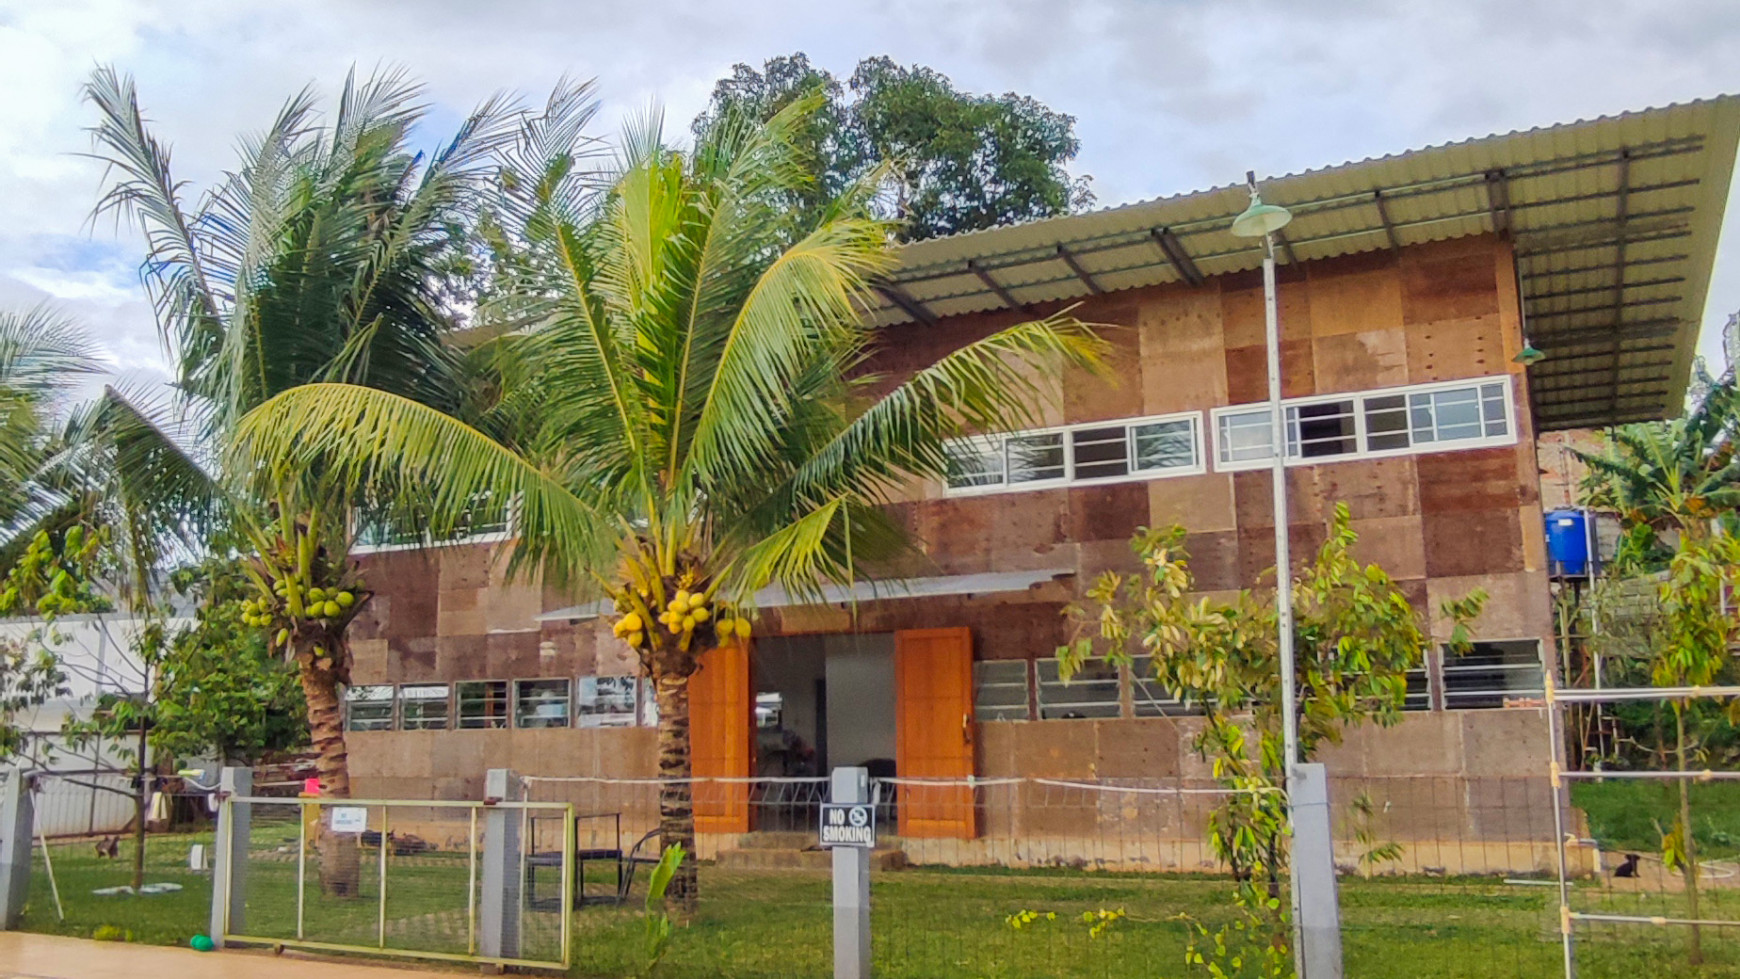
(1568, 541)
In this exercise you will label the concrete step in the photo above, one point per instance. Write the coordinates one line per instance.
(764, 858)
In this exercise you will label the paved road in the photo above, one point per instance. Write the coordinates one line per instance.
(26, 956)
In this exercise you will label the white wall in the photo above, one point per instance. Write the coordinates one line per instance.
(860, 675)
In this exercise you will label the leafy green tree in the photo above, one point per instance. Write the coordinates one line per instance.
(42, 357)
(325, 255)
(694, 420)
(951, 161)
(1681, 479)
(1355, 639)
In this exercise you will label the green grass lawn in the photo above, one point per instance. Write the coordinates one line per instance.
(926, 923)
(1629, 814)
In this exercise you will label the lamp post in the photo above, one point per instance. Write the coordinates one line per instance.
(1261, 220)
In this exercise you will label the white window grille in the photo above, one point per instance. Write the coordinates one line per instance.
(1000, 688)
(368, 708)
(1141, 448)
(482, 704)
(607, 701)
(424, 707)
(1095, 690)
(1149, 697)
(1494, 674)
(541, 703)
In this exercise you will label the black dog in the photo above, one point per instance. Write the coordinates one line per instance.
(1628, 868)
(109, 848)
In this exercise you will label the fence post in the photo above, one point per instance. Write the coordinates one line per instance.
(503, 874)
(229, 866)
(1314, 873)
(851, 884)
(17, 833)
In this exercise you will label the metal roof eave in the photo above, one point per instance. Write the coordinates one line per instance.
(1614, 221)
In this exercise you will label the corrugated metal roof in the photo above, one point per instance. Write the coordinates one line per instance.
(984, 583)
(1614, 221)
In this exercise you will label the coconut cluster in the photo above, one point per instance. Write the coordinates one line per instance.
(686, 612)
(317, 603)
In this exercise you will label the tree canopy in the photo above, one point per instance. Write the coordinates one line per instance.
(945, 161)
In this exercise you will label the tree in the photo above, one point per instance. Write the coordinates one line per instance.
(952, 161)
(1355, 639)
(694, 417)
(42, 357)
(1681, 478)
(324, 256)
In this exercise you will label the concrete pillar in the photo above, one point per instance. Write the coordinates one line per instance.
(17, 833)
(1319, 925)
(229, 865)
(503, 869)
(851, 884)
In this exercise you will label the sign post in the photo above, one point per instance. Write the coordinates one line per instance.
(849, 828)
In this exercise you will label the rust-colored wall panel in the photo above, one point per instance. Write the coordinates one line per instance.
(1396, 544)
(1026, 529)
(1372, 487)
(1247, 372)
(1107, 512)
(1254, 499)
(1214, 560)
(1199, 503)
(1360, 361)
(1242, 307)
(957, 532)
(1090, 397)
(464, 658)
(1183, 351)
(1449, 283)
(1473, 542)
(1473, 479)
(1355, 301)
(1448, 350)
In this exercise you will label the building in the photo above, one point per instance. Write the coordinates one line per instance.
(1408, 285)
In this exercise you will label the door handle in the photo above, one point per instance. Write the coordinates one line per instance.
(966, 729)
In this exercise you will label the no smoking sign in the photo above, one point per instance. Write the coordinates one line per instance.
(848, 824)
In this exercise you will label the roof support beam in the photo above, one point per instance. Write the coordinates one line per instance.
(994, 285)
(1645, 284)
(1498, 201)
(1080, 273)
(1287, 246)
(1602, 308)
(1174, 251)
(1622, 205)
(913, 307)
(1377, 197)
(1660, 326)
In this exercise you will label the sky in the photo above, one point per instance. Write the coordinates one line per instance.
(1169, 95)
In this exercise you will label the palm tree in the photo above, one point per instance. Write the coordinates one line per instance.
(1681, 477)
(696, 421)
(326, 255)
(42, 357)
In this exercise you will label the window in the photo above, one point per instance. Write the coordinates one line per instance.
(1135, 449)
(1034, 458)
(1423, 418)
(368, 708)
(607, 701)
(1419, 696)
(482, 704)
(1149, 697)
(975, 462)
(1000, 690)
(1245, 436)
(1327, 428)
(1494, 674)
(541, 703)
(1094, 691)
(423, 707)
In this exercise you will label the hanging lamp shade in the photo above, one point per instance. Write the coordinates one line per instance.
(1260, 219)
(1528, 356)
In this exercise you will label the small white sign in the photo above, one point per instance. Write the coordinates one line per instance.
(349, 819)
(848, 824)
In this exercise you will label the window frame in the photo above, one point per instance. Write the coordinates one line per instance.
(1199, 445)
(1362, 435)
(446, 699)
(983, 712)
(392, 702)
(1119, 680)
(1534, 695)
(595, 720)
(507, 700)
(567, 719)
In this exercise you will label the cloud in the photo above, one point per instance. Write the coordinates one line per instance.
(1170, 95)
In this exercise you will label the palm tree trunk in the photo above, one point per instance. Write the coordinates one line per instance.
(340, 863)
(676, 796)
(1695, 946)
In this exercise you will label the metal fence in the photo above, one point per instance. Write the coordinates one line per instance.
(400, 878)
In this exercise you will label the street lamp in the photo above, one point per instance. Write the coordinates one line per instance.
(1261, 220)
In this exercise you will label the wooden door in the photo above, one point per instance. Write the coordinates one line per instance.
(933, 683)
(721, 739)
